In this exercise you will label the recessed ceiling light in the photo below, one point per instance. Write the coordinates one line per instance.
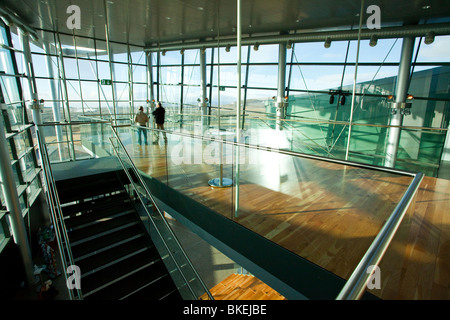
(168, 18)
(200, 8)
(425, 7)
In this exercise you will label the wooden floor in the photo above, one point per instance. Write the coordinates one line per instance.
(324, 212)
(242, 287)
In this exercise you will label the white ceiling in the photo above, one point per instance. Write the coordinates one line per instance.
(147, 22)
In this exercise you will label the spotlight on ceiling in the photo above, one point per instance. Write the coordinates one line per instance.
(327, 43)
(289, 44)
(182, 51)
(429, 37)
(373, 41)
(256, 47)
(227, 48)
(163, 52)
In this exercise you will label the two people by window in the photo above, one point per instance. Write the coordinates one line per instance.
(142, 119)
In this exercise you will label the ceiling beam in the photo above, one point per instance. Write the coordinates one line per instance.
(421, 30)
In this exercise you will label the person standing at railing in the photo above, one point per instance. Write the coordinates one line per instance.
(142, 119)
(159, 115)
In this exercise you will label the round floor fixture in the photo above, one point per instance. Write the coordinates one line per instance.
(215, 183)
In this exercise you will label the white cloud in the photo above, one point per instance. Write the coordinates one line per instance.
(437, 51)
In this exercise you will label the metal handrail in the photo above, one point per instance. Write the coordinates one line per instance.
(57, 217)
(150, 196)
(71, 123)
(280, 151)
(356, 285)
(315, 121)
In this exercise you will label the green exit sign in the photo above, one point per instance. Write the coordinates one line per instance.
(105, 81)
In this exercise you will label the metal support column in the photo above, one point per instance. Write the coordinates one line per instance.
(150, 92)
(221, 181)
(62, 73)
(180, 109)
(355, 76)
(130, 83)
(13, 205)
(238, 106)
(401, 93)
(55, 106)
(35, 106)
(111, 65)
(247, 71)
(281, 103)
(203, 101)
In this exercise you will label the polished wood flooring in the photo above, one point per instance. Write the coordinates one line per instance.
(325, 212)
(242, 287)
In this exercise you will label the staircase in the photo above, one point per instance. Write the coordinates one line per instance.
(114, 252)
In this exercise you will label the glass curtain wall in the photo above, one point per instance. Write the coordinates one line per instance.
(79, 80)
(319, 87)
(20, 132)
(86, 75)
(316, 76)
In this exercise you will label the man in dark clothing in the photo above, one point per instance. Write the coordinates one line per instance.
(159, 115)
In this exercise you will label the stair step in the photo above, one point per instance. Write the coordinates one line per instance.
(113, 255)
(98, 244)
(89, 190)
(99, 214)
(101, 228)
(125, 279)
(163, 289)
(109, 242)
(93, 204)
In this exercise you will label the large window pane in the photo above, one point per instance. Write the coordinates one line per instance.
(174, 57)
(435, 52)
(263, 76)
(265, 53)
(139, 73)
(120, 72)
(88, 69)
(89, 90)
(70, 68)
(319, 77)
(316, 52)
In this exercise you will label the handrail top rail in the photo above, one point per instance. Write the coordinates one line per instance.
(150, 196)
(281, 151)
(69, 123)
(356, 284)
